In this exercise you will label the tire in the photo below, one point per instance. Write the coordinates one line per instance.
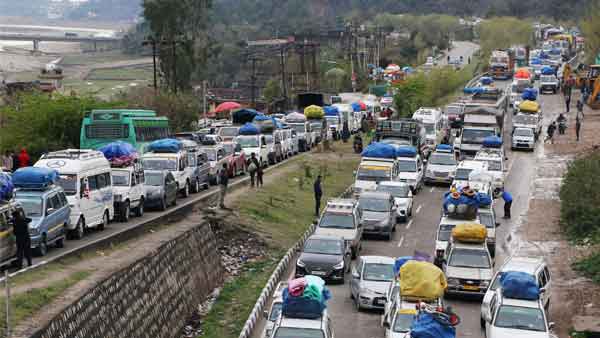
(42, 248)
(482, 323)
(196, 186)
(79, 230)
(60, 242)
(163, 204)
(125, 211)
(186, 190)
(104, 223)
(139, 211)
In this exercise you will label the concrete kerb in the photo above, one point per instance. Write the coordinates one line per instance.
(275, 278)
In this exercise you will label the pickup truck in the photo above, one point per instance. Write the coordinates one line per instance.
(476, 128)
(549, 83)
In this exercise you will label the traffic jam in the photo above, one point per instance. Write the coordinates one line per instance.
(354, 274)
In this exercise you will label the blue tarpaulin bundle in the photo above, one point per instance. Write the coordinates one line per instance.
(544, 55)
(519, 285)
(484, 199)
(119, 153)
(444, 148)
(529, 94)
(406, 151)
(165, 145)
(6, 187)
(425, 326)
(555, 51)
(492, 142)
(474, 90)
(34, 177)
(536, 61)
(486, 80)
(460, 205)
(356, 107)
(249, 129)
(243, 115)
(265, 124)
(331, 111)
(261, 117)
(547, 70)
(305, 306)
(379, 150)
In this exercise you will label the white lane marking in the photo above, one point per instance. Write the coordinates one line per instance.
(409, 224)
(432, 189)
(401, 241)
(419, 208)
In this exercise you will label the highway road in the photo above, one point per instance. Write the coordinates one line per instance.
(419, 234)
(466, 49)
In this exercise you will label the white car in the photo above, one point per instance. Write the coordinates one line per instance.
(371, 278)
(443, 235)
(410, 170)
(403, 198)
(464, 169)
(468, 268)
(441, 168)
(128, 191)
(523, 138)
(516, 318)
(535, 266)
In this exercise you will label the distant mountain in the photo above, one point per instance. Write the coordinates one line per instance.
(106, 10)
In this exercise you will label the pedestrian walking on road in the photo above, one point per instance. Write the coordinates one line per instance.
(507, 197)
(7, 161)
(253, 166)
(318, 195)
(21, 231)
(568, 100)
(223, 182)
(580, 107)
(550, 132)
(577, 127)
(24, 159)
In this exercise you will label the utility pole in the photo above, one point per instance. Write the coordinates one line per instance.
(283, 81)
(204, 110)
(151, 41)
(174, 46)
(253, 82)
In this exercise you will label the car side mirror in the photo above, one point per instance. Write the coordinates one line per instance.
(50, 211)
(551, 325)
(497, 224)
(266, 314)
(386, 324)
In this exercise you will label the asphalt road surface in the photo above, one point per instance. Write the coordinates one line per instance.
(419, 234)
(466, 49)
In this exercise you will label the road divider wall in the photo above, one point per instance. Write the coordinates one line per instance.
(152, 297)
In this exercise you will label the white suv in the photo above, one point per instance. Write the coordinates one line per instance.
(516, 318)
(296, 327)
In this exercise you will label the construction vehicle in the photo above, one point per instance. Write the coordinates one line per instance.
(587, 77)
(502, 64)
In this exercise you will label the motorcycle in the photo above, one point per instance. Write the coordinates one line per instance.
(358, 145)
(562, 126)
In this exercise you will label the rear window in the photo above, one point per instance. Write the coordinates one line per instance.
(296, 332)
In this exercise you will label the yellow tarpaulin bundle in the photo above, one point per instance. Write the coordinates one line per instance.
(422, 280)
(529, 106)
(469, 233)
(314, 112)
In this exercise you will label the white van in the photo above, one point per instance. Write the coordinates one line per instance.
(256, 144)
(85, 176)
(176, 163)
(433, 123)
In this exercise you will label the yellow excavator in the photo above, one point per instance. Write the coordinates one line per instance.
(587, 77)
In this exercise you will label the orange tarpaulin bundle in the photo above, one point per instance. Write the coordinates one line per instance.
(523, 73)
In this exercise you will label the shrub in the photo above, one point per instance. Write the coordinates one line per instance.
(590, 267)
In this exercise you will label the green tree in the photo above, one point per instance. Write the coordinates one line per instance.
(590, 27)
(503, 32)
(410, 95)
(336, 76)
(272, 91)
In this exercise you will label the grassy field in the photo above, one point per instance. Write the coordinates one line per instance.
(120, 74)
(100, 57)
(24, 305)
(281, 211)
(101, 88)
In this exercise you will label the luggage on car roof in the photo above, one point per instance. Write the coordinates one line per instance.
(422, 280)
(425, 326)
(165, 145)
(34, 178)
(469, 233)
(519, 285)
(379, 150)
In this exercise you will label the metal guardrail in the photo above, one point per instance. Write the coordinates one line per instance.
(275, 278)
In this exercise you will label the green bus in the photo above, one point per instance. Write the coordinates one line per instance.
(137, 127)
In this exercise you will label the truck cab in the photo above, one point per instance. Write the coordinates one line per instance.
(433, 123)
(371, 171)
(476, 128)
(464, 170)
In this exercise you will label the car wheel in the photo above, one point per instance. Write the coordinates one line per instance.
(60, 242)
(42, 248)
(104, 223)
(125, 210)
(482, 323)
(186, 190)
(163, 203)
(139, 211)
(196, 186)
(79, 230)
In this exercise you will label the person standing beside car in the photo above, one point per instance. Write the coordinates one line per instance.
(223, 182)
(507, 197)
(318, 195)
(7, 161)
(253, 166)
(21, 231)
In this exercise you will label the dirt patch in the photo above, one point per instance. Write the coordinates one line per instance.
(541, 233)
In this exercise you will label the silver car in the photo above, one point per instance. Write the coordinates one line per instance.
(370, 281)
(403, 198)
(378, 213)
(441, 168)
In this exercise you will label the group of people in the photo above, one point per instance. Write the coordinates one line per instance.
(12, 161)
(255, 170)
(561, 121)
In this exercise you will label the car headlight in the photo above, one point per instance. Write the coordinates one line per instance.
(34, 231)
(339, 265)
(484, 283)
(118, 198)
(300, 263)
(453, 281)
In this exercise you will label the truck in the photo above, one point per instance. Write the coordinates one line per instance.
(502, 64)
(401, 132)
(479, 123)
(318, 125)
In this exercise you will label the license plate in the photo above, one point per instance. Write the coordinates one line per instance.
(380, 302)
(319, 273)
(471, 287)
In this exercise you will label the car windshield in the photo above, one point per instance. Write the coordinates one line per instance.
(120, 178)
(31, 204)
(228, 131)
(299, 128)
(462, 174)
(487, 219)
(155, 179)
(339, 221)
(248, 141)
(469, 258)
(429, 128)
(373, 173)
(68, 183)
(323, 246)
(442, 159)
(403, 321)
(398, 191)
(444, 232)
(407, 166)
(296, 332)
(378, 272)
(547, 78)
(396, 141)
(211, 154)
(523, 132)
(159, 164)
(374, 204)
(520, 318)
(275, 311)
(476, 136)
